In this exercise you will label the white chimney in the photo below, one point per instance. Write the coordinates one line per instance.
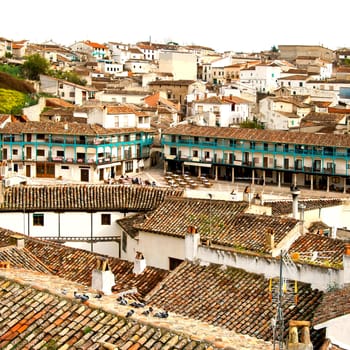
(192, 239)
(295, 194)
(139, 264)
(247, 195)
(102, 277)
(270, 239)
(18, 240)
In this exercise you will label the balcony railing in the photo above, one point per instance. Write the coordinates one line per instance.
(84, 160)
(257, 164)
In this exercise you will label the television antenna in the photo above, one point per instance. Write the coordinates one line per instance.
(283, 291)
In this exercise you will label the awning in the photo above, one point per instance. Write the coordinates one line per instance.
(198, 164)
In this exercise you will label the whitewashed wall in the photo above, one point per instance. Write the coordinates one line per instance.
(158, 248)
(67, 224)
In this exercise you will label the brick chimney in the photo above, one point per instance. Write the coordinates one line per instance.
(139, 263)
(270, 239)
(102, 277)
(192, 239)
(293, 338)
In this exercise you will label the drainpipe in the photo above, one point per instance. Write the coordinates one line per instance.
(91, 232)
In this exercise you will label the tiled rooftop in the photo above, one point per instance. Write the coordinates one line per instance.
(40, 311)
(171, 82)
(222, 222)
(333, 118)
(128, 223)
(62, 128)
(285, 207)
(85, 197)
(334, 304)
(318, 250)
(230, 298)
(75, 264)
(339, 140)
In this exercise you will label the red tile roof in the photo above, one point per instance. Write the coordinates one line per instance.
(85, 197)
(318, 250)
(258, 135)
(230, 298)
(63, 128)
(223, 223)
(37, 319)
(334, 304)
(95, 45)
(285, 207)
(75, 264)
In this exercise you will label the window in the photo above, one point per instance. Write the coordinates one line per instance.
(38, 219)
(174, 263)
(15, 152)
(40, 152)
(195, 153)
(129, 167)
(173, 151)
(105, 219)
(60, 153)
(40, 137)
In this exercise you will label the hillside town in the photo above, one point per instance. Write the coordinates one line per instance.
(162, 196)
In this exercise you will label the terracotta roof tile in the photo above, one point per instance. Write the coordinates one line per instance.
(62, 128)
(285, 207)
(334, 304)
(260, 135)
(171, 82)
(222, 222)
(318, 250)
(85, 197)
(213, 100)
(238, 300)
(75, 264)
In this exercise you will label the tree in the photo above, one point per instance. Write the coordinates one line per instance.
(274, 48)
(34, 66)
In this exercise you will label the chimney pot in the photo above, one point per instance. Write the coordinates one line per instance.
(192, 229)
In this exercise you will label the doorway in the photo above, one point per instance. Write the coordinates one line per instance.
(84, 175)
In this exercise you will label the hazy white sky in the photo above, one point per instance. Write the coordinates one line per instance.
(237, 25)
